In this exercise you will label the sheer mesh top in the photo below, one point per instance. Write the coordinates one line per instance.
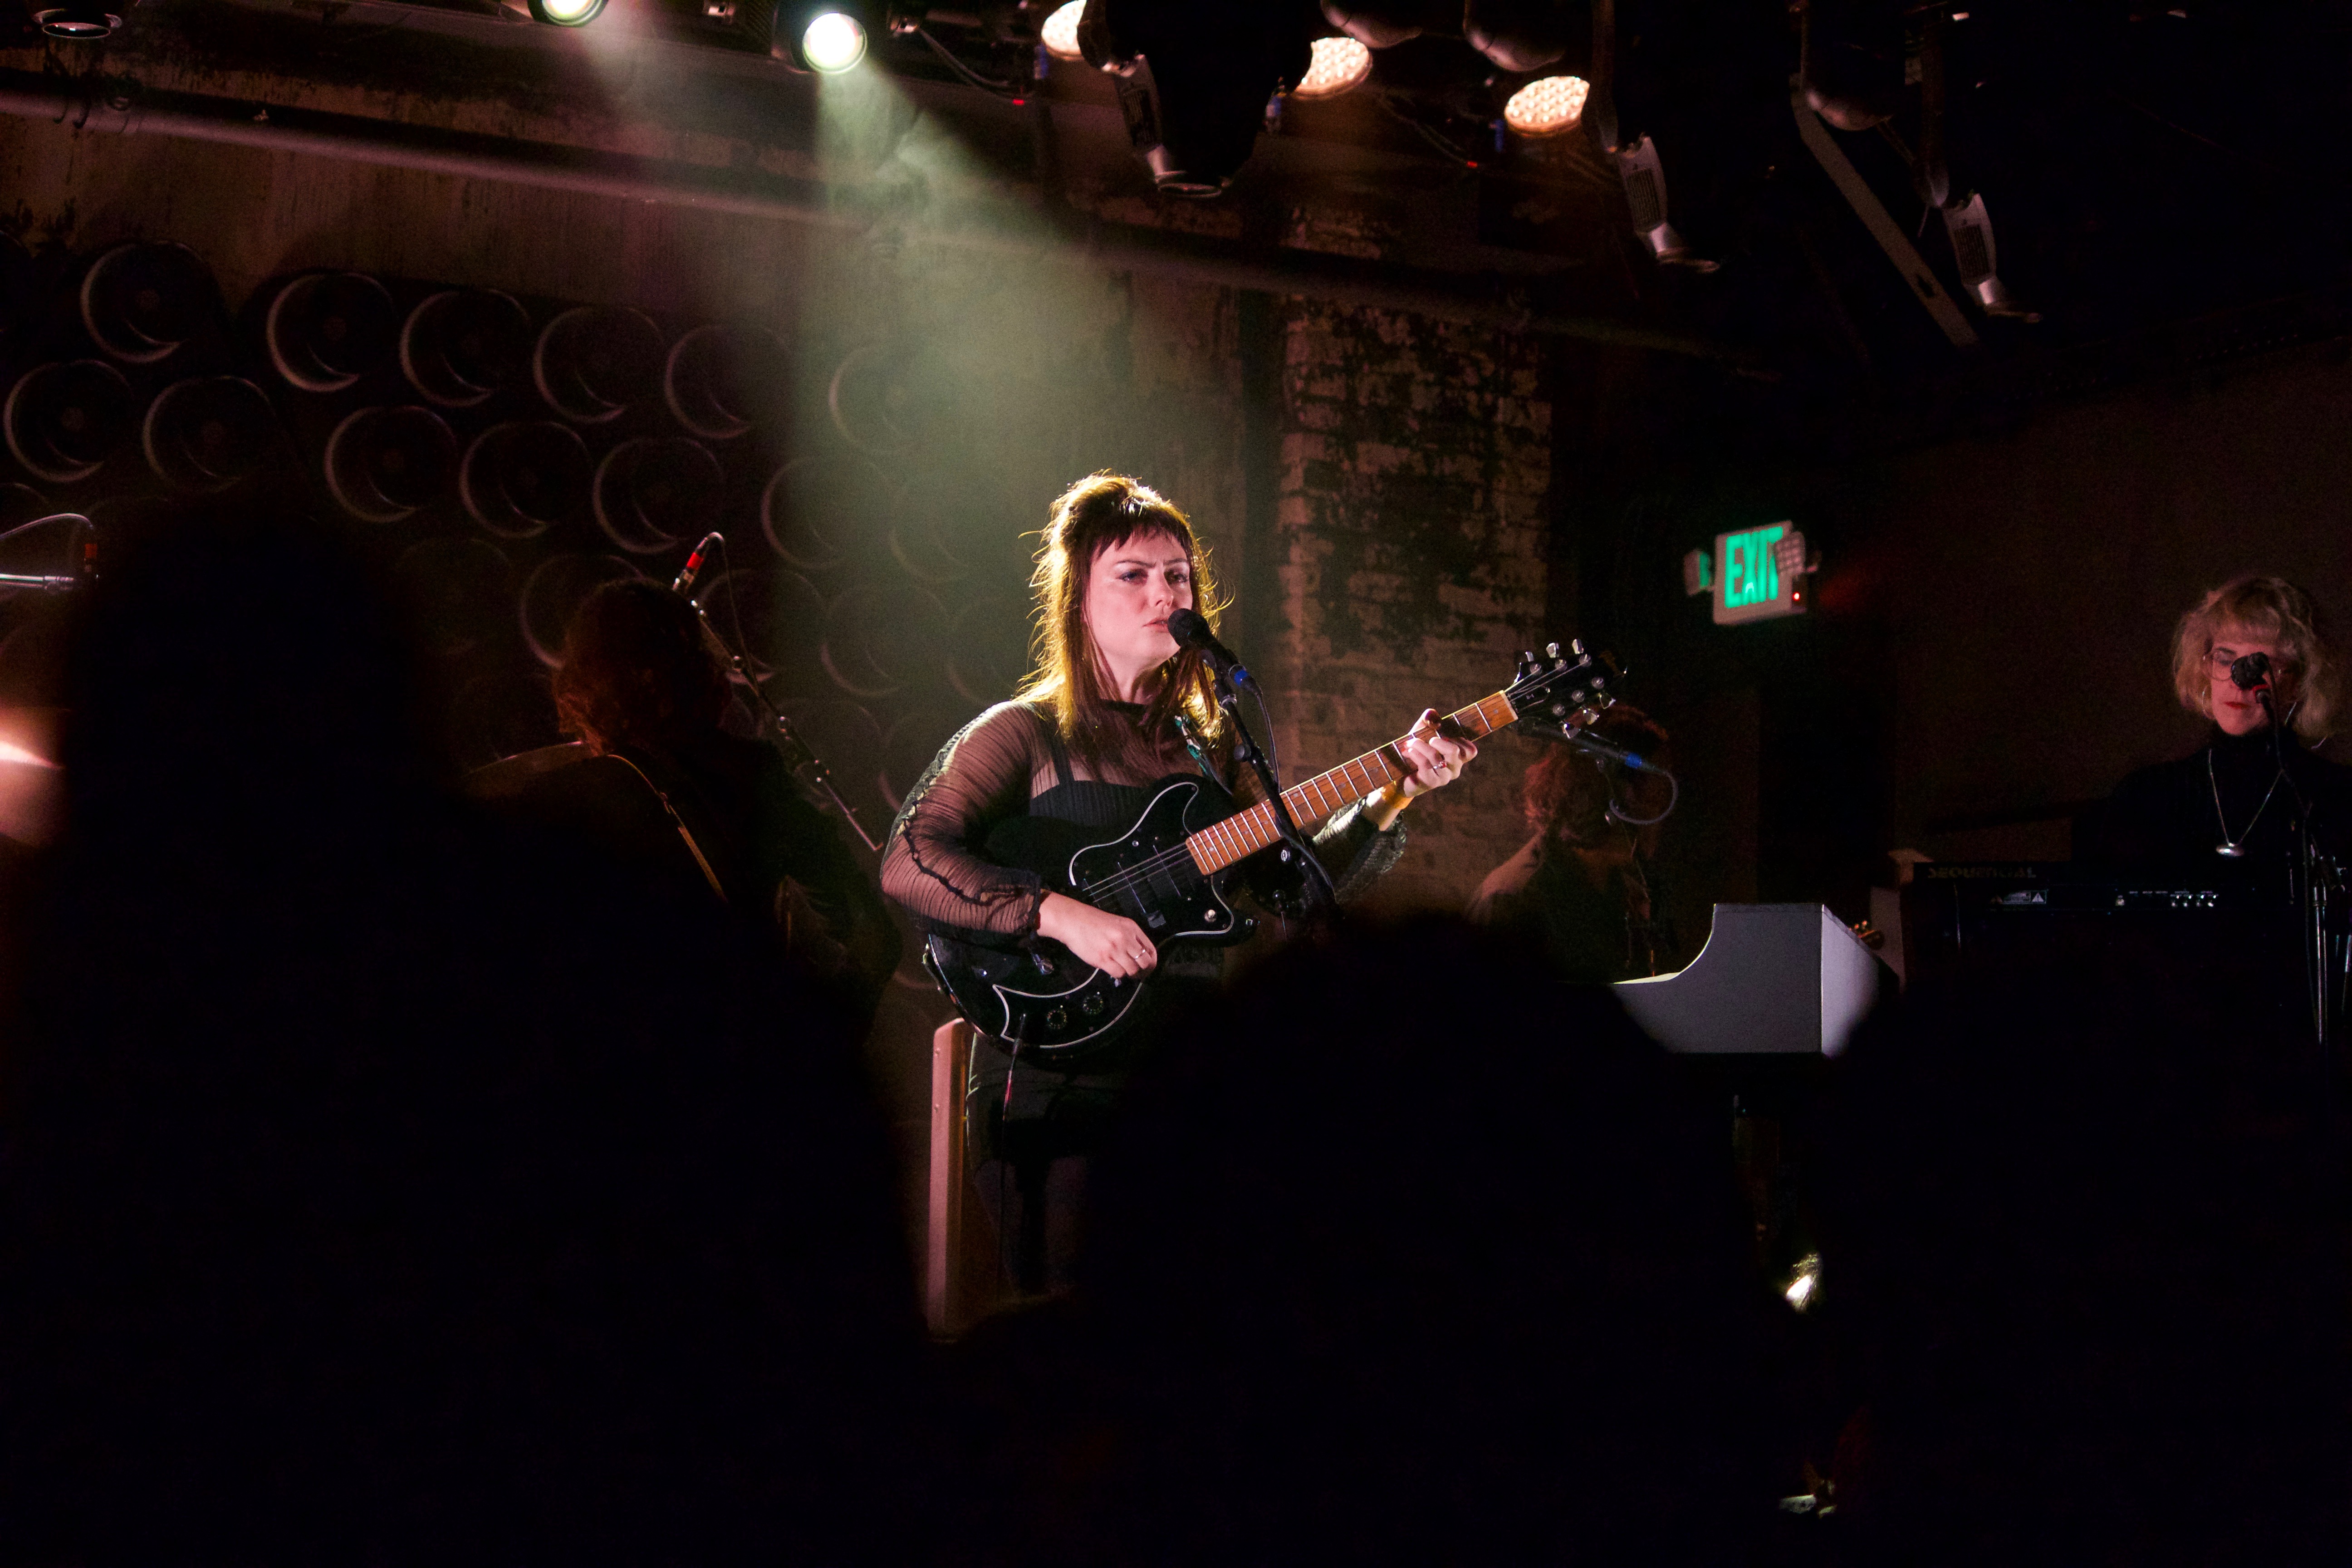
(1004, 759)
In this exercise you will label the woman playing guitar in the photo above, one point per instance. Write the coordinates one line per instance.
(1094, 727)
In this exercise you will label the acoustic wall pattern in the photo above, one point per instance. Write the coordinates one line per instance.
(503, 455)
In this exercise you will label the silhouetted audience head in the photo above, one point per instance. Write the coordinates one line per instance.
(381, 1183)
(238, 679)
(1401, 1254)
(2081, 1240)
(635, 669)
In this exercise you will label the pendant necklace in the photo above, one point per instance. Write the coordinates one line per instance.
(2235, 848)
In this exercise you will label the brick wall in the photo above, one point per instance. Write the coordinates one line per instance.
(1411, 525)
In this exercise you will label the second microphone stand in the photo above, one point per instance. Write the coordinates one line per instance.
(799, 755)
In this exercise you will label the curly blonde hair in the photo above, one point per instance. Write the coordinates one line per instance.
(2277, 611)
(1066, 677)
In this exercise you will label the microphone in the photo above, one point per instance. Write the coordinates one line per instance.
(1593, 746)
(2250, 672)
(1191, 629)
(694, 563)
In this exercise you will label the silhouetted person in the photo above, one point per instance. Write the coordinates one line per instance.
(668, 791)
(375, 1184)
(1408, 1256)
(1579, 889)
(2082, 1242)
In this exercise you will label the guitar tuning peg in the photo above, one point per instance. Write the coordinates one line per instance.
(1576, 647)
(1527, 655)
(1552, 649)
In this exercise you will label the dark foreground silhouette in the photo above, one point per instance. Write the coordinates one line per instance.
(1405, 1255)
(377, 1183)
(2083, 1237)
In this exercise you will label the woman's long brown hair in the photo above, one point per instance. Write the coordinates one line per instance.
(1066, 676)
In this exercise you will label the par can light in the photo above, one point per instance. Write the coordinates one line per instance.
(556, 13)
(1060, 33)
(80, 21)
(833, 42)
(1340, 65)
(1549, 106)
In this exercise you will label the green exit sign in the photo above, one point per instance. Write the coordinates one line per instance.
(1759, 573)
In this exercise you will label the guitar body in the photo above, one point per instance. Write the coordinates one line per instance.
(1055, 1006)
(1168, 872)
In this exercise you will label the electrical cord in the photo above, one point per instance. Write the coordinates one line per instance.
(970, 77)
(1427, 134)
(1674, 797)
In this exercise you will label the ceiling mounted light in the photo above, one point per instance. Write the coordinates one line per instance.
(1340, 65)
(833, 42)
(1060, 33)
(1518, 35)
(1550, 106)
(557, 13)
(827, 37)
(81, 21)
(1192, 78)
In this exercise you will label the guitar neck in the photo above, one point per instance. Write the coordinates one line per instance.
(1245, 833)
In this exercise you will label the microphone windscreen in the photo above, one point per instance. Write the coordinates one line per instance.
(1189, 627)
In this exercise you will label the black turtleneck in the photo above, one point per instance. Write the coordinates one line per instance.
(2165, 815)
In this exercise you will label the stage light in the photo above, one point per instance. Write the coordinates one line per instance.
(1549, 106)
(1340, 65)
(1643, 177)
(1805, 1283)
(1970, 231)
(1060, 33)
(82, 21)
(831, 43)
(557, 13)
(1517, 35)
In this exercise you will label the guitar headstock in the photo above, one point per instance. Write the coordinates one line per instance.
(1559, 690)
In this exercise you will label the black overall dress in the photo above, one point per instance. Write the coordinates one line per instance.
(1028, 1126)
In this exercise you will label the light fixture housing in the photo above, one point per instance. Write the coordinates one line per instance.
(1060, 33)
(1549, 106)
(556, 13)
(827, 36)
(79, 21)
(1340, 65)
(833, 42)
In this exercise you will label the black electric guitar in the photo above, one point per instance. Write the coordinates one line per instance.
(1169, 871)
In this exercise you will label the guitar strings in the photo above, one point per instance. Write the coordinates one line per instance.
(1131, 877)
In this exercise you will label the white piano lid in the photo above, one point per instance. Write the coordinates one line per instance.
(1773, 979)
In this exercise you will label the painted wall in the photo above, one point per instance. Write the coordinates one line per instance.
(2029, 582)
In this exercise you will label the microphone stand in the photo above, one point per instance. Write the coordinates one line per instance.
(799, 755)
(2306, 890)
(1322, 899)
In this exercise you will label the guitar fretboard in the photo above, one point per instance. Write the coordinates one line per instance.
(1247, 831)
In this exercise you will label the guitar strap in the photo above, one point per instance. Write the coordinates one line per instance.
(678, 822)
